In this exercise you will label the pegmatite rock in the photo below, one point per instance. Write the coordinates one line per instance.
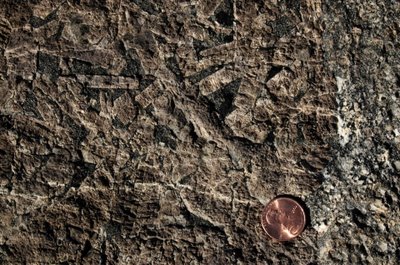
(137, 132)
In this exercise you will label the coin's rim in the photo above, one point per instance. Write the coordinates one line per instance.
(285, 198)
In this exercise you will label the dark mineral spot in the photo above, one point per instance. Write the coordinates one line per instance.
(165, 135)
(133, 68)
(6, 122)
(146, 81)
(282, 26)
(78, 132)
(173, 66)
(147, 6)
(83, 170)
(222, 99)
(30, 105)
(224, 13)
(86, 68)
(38, 22)
(48, 64)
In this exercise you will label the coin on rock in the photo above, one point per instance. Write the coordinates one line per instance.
(283, 218)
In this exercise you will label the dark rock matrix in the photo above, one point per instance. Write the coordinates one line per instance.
(154, 132)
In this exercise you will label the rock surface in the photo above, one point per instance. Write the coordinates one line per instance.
(154, 132)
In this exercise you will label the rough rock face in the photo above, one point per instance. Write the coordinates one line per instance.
(154, 132)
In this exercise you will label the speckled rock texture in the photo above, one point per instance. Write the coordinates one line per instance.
(154, 132)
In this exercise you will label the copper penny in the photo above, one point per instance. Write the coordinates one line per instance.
(283, 219)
